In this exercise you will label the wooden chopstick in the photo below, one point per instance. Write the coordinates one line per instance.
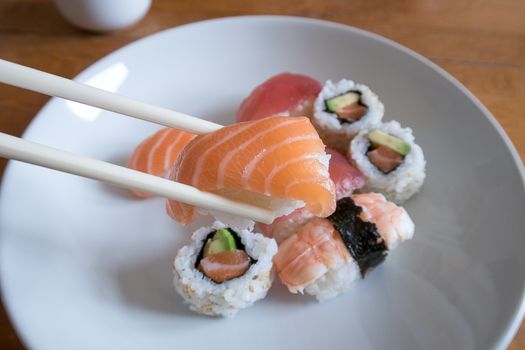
(34, 153)
(30, 152)
(53, 85)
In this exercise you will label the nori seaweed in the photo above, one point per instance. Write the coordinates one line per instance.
(360, 237)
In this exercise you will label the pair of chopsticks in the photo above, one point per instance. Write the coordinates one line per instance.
(29, 152)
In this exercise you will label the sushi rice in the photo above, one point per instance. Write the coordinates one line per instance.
(335, 282)
(334, 133)
(401, 183)
(227, 298)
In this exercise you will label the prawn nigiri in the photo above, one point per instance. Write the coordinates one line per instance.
(325, 256)
(283, 94)
(156, 154)
(275, 158)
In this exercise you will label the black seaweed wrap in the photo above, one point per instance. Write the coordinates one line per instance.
(364, 243)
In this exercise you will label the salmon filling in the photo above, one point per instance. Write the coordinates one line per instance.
(385, 158)
(222, 257)
(348, 106)
(351, 113)
(224, 266)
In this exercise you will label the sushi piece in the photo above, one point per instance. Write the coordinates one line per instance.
(224, 270)
(277, 162)
(157, 153)
(285, 94)
(287, 225)
(326, 256)
(346, 178)
(390, 160)
(342, 109)
(392, 221)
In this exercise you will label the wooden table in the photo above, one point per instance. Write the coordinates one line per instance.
(481, 43)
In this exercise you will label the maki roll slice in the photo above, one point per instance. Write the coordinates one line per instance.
(224, 270)
(325, 256)
(392, 163)
(342, 109)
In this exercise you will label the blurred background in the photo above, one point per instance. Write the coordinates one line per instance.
(480, 42)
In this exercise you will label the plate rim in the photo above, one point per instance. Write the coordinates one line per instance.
(514, 322)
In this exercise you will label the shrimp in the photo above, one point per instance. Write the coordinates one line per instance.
(325, 256)
(309, 254)
(393, 223)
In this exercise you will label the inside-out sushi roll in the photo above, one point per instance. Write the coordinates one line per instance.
(224, 270)
(325, 256)
(342, 109)
(391, 161)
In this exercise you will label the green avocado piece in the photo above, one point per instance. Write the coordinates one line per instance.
(222, 241)
(341, 101)
(377, 137)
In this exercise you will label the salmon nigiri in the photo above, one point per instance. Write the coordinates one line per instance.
(157, 153)
(346, 178)
(283, 94)
(277, 160)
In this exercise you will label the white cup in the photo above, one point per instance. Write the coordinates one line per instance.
(103, 15)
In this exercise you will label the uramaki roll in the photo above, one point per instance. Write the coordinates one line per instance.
(221, 278)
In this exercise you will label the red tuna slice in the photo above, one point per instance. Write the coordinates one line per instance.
(282, 94)
(345, 176)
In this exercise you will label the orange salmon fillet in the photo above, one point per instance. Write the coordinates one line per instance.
(157, 153)
(279, 157)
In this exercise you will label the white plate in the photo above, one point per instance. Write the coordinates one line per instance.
(84, 266)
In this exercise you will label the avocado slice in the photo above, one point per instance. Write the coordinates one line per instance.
(221, 241)
(338, 102)
(377, 137)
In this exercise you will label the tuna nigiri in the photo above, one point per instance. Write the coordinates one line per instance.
(277, 159)
(283, 94)
(345, 176)
(157, 153)
(325, 256)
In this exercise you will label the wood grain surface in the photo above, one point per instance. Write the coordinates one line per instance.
(480, 42)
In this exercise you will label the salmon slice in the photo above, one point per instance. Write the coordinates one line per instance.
(157, 153)
(277, 157)
(284, 94)
(346, 178)
(385, 158)
(225, 266)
